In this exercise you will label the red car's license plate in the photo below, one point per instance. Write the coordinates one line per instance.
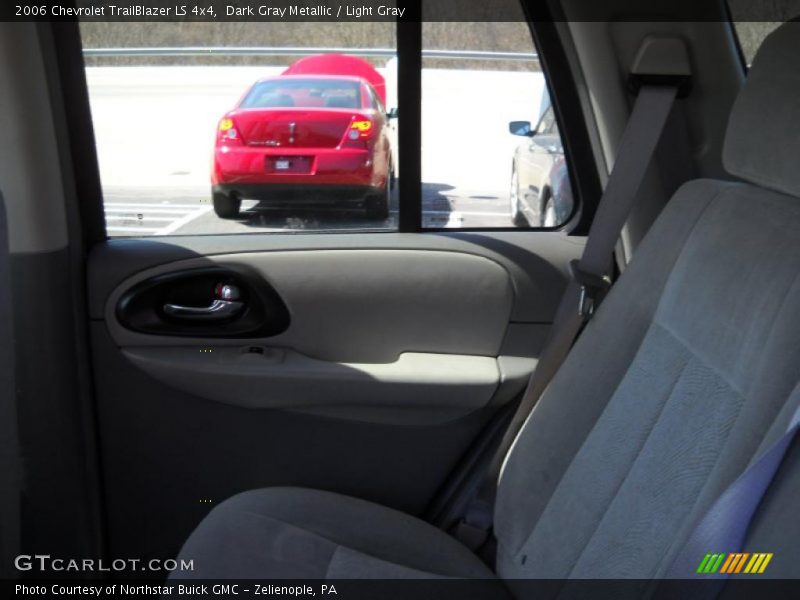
(288, 164)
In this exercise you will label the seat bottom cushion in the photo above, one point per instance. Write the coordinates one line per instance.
(299, 533)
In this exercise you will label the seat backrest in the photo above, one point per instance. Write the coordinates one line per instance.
(685, 372)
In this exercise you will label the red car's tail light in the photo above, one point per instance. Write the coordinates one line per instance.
(227, 133)
(364, 128)
(360, 130)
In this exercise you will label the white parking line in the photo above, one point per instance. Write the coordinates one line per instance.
(174, 215)
(455, 219)
(136, 218)
(153, 205)
(184, 220)
(149, 230)
(148, 209)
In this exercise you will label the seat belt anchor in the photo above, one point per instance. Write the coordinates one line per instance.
(592, 285)
(475, 527)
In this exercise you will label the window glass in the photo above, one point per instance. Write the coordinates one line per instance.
(284, 92)
(195, 139)
(751, 34)
(213, 142)
(754, 21)
(492, 155)
(547, 126)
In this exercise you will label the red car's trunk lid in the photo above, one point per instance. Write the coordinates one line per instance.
(292, 128)
(339, 64)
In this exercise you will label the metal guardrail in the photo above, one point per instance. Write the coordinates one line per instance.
(255, 51)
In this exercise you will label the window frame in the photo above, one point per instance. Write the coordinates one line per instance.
(571, 121)
(62, 49)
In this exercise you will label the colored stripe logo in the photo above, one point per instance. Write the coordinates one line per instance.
(734, 562)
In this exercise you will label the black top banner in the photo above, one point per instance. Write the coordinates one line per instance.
(395, 10)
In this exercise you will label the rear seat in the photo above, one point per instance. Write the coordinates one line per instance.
(688, 371)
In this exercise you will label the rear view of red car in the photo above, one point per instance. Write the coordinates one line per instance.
(304, 140)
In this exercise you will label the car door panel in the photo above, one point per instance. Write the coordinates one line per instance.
(364, 305)
(398, 350)
(274, 377)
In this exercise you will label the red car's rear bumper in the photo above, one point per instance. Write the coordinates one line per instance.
(248, 166)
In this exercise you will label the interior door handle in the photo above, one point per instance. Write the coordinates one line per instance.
(217, 310)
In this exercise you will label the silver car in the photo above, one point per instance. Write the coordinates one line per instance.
(541, 195)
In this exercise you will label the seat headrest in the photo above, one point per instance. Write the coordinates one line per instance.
(762, 142)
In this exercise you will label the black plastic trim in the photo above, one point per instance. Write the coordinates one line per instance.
(68, 57)
(409, 99)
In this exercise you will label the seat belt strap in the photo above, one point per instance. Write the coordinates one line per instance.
(590, 279)
(723, 529)
(9, 440)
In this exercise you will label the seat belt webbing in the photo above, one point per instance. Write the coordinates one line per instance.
(590, 279)
(724, 526)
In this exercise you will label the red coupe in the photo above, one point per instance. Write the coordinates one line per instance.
(302, 139)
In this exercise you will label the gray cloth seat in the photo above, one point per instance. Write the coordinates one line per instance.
(309, 534)
(687, 372)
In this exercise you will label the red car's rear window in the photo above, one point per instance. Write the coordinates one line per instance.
(303, 93)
